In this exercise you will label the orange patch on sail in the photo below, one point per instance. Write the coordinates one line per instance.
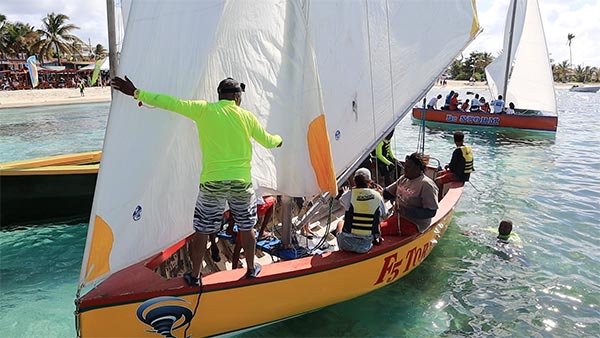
(320, 155)
(102, 243)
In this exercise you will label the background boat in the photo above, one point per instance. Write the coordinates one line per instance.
(521, 74)
(457, 117)
(50, 189)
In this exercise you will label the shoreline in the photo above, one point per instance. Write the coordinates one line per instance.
(50, 97)
(58, 96)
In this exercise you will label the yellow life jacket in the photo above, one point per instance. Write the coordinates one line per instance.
(467, 154)
(363, 216)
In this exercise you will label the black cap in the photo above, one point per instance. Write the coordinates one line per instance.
(229, 85)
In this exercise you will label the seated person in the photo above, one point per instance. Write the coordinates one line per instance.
(415, 200)
(454, 102)
(387, 164)
(460, 167)
(364, 211)
(465, 106)
(498, 105)
(511, 109)
(484, 106)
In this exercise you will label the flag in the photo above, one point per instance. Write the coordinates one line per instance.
(33, 72)
(96, 72)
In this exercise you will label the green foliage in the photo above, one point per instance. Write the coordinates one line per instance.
(473, 66)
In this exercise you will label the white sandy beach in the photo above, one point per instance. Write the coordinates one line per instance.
(40, 97)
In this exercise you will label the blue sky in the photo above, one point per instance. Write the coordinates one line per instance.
(580, 17)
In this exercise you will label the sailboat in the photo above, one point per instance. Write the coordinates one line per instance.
(331, 77)
(522, 74)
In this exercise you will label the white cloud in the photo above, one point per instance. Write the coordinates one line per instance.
(560, 18)
(89, 15)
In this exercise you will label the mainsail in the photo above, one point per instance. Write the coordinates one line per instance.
(530, 82)
(331, 77)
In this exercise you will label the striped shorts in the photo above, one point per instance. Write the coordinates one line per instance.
(211, 202)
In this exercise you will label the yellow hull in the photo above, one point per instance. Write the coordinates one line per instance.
(230, 303)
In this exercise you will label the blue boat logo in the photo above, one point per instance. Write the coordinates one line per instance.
(137, 213)
(164, 314)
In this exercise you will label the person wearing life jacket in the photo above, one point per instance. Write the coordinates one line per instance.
(387, 164)
(364, 211)
(460, 167)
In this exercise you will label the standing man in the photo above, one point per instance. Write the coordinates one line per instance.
(460, 167)
(498, 105)
(224, 131)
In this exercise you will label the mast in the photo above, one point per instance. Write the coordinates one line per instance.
(509, 51)
(112, 37)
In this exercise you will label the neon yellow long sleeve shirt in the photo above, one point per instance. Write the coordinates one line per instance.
(224, 132)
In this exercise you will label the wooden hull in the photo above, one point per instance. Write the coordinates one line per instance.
(540, 123)
(228, 302)
(58, 188)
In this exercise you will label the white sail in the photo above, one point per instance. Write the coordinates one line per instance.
(304, 64)
(530, 84)
(376, 58)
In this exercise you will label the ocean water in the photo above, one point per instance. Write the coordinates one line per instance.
(543, 285)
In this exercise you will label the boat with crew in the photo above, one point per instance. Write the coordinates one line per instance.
(49, 189)
(300, 88)
(522, 74)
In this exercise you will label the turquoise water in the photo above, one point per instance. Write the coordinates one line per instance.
(544, 286)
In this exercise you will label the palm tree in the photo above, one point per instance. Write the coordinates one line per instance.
(570, 37)
(20, 38)
(3, 34)
(100, 52)
(56, 36)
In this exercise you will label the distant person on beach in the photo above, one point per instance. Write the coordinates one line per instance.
(475, 103)
(225, 131)
(498, 105)
(511, 109)
(81, 88)
(433, 102)
(460, 167)
(364, 211)
(416, 199)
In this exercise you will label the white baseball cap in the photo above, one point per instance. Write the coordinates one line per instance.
(366, 173)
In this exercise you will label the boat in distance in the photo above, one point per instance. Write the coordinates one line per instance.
(482, 119)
